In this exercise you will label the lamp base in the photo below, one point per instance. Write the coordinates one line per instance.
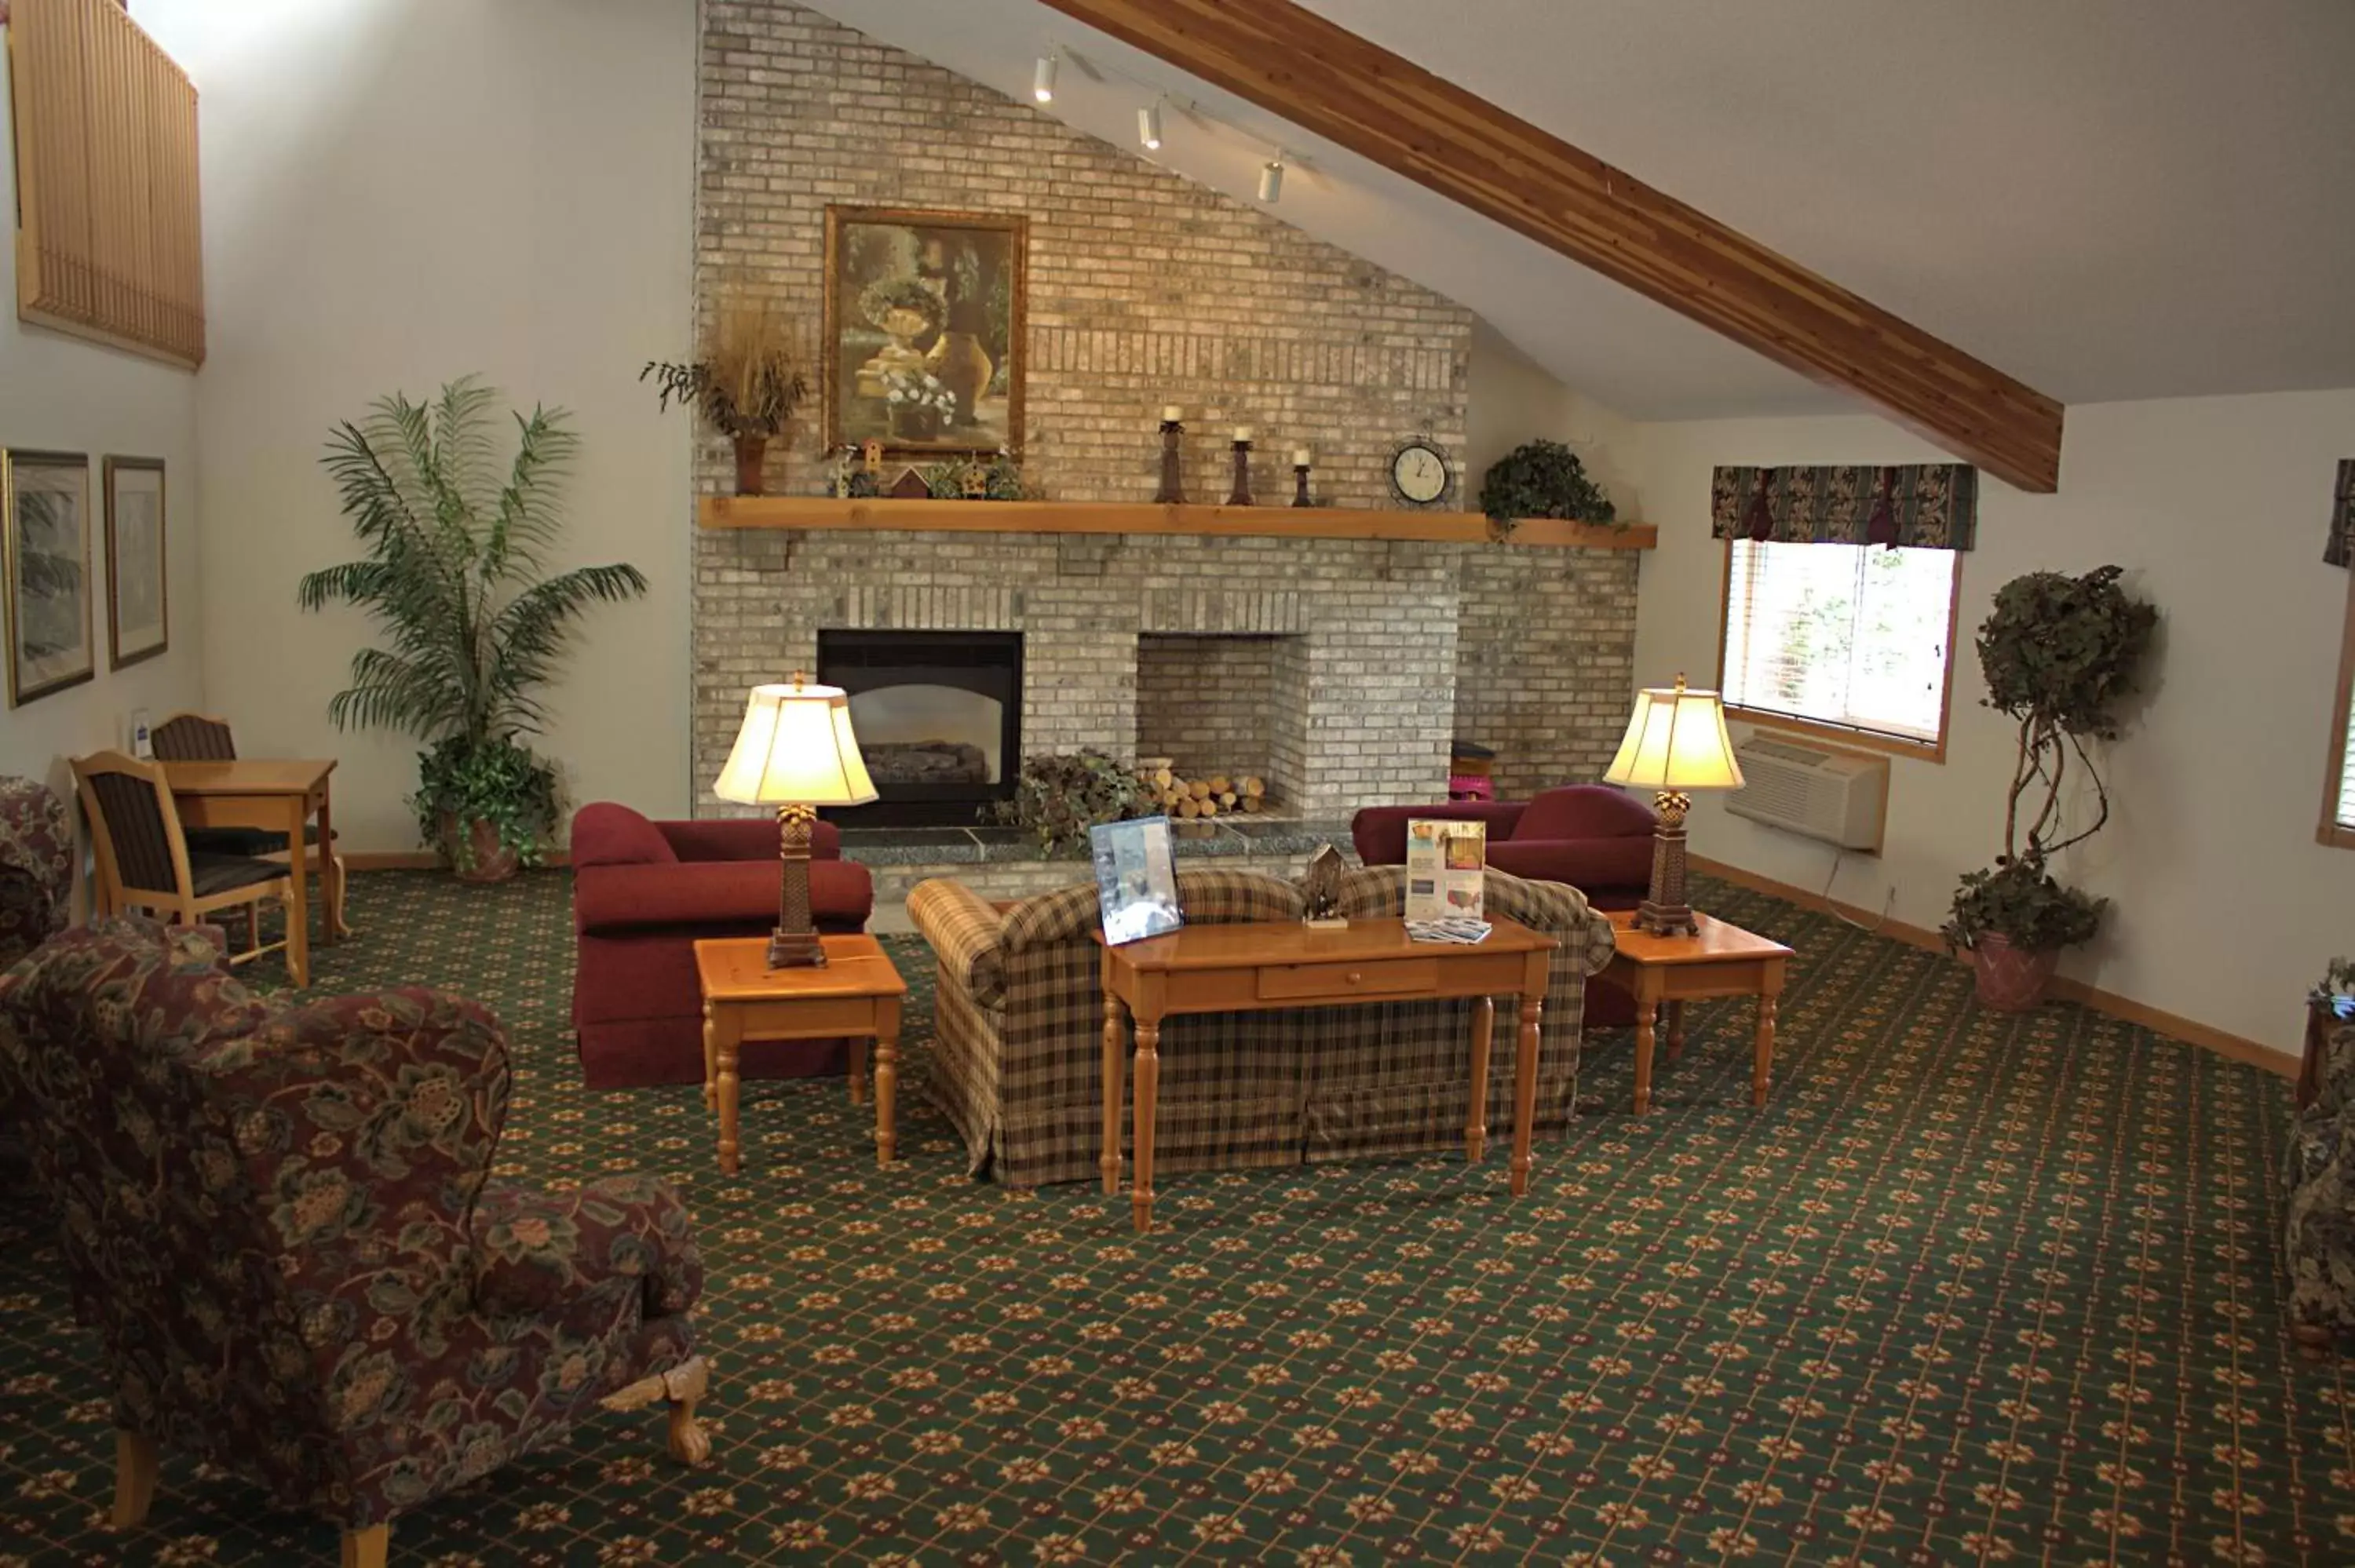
(793, 945)
(1664, 912)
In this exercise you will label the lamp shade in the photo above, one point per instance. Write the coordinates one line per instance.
(1675, 740)
(796, 747)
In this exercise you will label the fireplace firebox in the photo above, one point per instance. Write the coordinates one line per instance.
(939, 716)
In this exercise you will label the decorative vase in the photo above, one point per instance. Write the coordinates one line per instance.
(2011, 980)
(752, 452)
(914, 424)
(962, 367)
(493, 861)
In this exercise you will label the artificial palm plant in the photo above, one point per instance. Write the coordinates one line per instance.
(457, 545)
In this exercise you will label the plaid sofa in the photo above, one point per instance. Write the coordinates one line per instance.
(1018, 1022)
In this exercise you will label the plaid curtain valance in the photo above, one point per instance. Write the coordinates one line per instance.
(1926, 505)
(2338, 550)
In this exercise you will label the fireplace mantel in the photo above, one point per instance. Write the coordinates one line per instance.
(1095, 517)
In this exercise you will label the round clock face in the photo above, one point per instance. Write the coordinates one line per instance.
(1419, 473)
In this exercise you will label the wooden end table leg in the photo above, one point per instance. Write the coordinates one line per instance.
(1525, 1088)
(710, 1060)
(1476, 1120)
(1648, 1007)
(1676, 1030)
(331, 871)
(298, 913)
(1149, 1090)
(1761, 1067)
(1116, 1062)
(724, 1080)
(859, 1072)
(887, 1081)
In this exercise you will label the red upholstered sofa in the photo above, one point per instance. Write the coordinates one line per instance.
(1588, 836)
(642, 893)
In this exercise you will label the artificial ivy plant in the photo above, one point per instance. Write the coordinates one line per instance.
(1542, 478)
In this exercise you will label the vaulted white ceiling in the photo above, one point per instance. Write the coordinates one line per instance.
(2108, 199)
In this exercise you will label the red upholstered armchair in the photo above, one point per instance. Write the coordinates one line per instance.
(642, 894)
(1588, 836)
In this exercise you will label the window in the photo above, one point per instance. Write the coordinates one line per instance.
(1853, 639)
(2339, 789)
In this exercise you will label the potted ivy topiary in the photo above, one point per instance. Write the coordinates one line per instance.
(2058, 652)
(1541, 479)
(1058, 798)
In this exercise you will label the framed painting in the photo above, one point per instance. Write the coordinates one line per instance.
(923, 329)
(138, 612)
(45, 511)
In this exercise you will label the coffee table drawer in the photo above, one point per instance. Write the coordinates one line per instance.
(1333, 982)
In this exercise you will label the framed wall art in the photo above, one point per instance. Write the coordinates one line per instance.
(138, 609)
(45, 514)
(923, 329)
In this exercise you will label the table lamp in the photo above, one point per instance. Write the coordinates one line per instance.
(795, 752)
(1676, 742)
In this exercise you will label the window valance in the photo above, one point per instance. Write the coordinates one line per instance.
(1926, 505)
(2339, 549)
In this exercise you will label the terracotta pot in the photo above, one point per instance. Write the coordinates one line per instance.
(493, 861)
(962, 367)
(752, 452)
(2011, 980)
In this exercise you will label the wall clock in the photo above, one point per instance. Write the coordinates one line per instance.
(1421, 474)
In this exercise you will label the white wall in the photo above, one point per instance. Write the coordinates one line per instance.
(2224, 908)
(397, 193)
(60, 394)
(1509, 399)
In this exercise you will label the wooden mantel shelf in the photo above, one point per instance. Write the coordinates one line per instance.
(1214, 521)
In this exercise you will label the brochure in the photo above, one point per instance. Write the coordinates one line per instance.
(1463, 933)
(1445, 865)
(1137, 879)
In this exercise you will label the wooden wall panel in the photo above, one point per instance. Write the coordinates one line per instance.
(1328, 80)
(108, 241)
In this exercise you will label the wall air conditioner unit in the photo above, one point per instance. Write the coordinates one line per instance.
(1840, 797)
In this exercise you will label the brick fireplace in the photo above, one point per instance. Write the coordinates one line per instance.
(1348, 664)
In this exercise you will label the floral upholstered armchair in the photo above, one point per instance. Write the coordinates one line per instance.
(2319, 1236)
(35, 866)
(277, 1216)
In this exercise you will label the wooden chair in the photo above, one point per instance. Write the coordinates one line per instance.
(200, 737)
(144, 861)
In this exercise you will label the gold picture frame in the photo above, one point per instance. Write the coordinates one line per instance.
(45, 517)
(138, 587)
(941, 373)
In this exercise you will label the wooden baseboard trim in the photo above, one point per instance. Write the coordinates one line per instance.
(421, 860)
(2174, 1026)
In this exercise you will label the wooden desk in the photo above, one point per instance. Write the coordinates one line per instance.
(857, 994)
(1258, 966)
(279, 796)
(1717, 960)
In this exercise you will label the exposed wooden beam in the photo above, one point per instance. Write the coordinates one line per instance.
(1328, 80)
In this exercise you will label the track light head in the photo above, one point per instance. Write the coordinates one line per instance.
(1271, 179)
(1149, 127)
(1043, 81)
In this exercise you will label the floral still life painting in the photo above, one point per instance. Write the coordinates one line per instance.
(923, 329)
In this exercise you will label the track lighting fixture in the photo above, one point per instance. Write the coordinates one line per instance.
(1043, 81)
(1149, 127)
(1271, 179)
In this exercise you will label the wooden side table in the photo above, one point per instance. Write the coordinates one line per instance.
(1720, 960)
(856, 994)
(1252, 966)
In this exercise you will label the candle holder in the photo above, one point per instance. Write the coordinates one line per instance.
(1173, 478)
(1241, 494)
(1300, 485)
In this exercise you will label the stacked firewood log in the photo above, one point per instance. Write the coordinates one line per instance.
(1214, 795)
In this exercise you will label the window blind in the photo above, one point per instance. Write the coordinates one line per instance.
(108, 244)
(2346, 773)
(1848, 635)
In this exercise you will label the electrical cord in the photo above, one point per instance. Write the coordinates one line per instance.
(1839, 857)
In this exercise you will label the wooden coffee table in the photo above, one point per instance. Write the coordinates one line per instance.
(1718, 961)
(1255, 966)
(856, 995)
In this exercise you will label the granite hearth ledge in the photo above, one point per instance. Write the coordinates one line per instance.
(883, 515)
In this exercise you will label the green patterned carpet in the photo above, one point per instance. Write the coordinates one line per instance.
(1971, 1288)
